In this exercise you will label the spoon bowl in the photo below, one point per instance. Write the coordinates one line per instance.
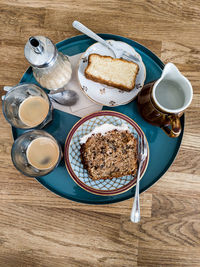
(65, 98)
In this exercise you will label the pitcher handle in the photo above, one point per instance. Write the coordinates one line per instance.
(175, 129)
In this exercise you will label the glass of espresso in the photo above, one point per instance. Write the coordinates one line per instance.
(36, 153)
(27, 106)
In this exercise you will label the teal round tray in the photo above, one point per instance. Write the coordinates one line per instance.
(163, 149)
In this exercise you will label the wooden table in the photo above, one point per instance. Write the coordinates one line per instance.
(38, 228)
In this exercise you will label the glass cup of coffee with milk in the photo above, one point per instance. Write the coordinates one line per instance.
(27, 106)
(25, 154)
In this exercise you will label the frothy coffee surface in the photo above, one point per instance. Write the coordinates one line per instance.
(42, 153)
(33, 110)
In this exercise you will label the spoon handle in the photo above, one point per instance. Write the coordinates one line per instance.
(80, 27)
(135, 213)
(7, 88)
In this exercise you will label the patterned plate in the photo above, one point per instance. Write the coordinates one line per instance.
(107, 95)
(73, 163)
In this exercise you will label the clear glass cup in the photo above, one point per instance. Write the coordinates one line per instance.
(21, 146)
(13, 99)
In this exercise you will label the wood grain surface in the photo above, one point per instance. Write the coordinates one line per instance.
(38, 228)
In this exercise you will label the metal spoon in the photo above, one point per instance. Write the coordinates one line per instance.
(66, 98)
(142, 154)
(117, 52)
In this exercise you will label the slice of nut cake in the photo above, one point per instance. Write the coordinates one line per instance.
(109, 151)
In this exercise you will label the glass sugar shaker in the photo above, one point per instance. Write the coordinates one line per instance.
(51, 68)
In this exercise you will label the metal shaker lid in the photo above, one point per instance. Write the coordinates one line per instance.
(40, 51)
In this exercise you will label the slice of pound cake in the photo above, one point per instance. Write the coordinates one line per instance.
(114, 72)
(109, 151)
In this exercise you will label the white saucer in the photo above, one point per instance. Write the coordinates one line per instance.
(103, 94)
